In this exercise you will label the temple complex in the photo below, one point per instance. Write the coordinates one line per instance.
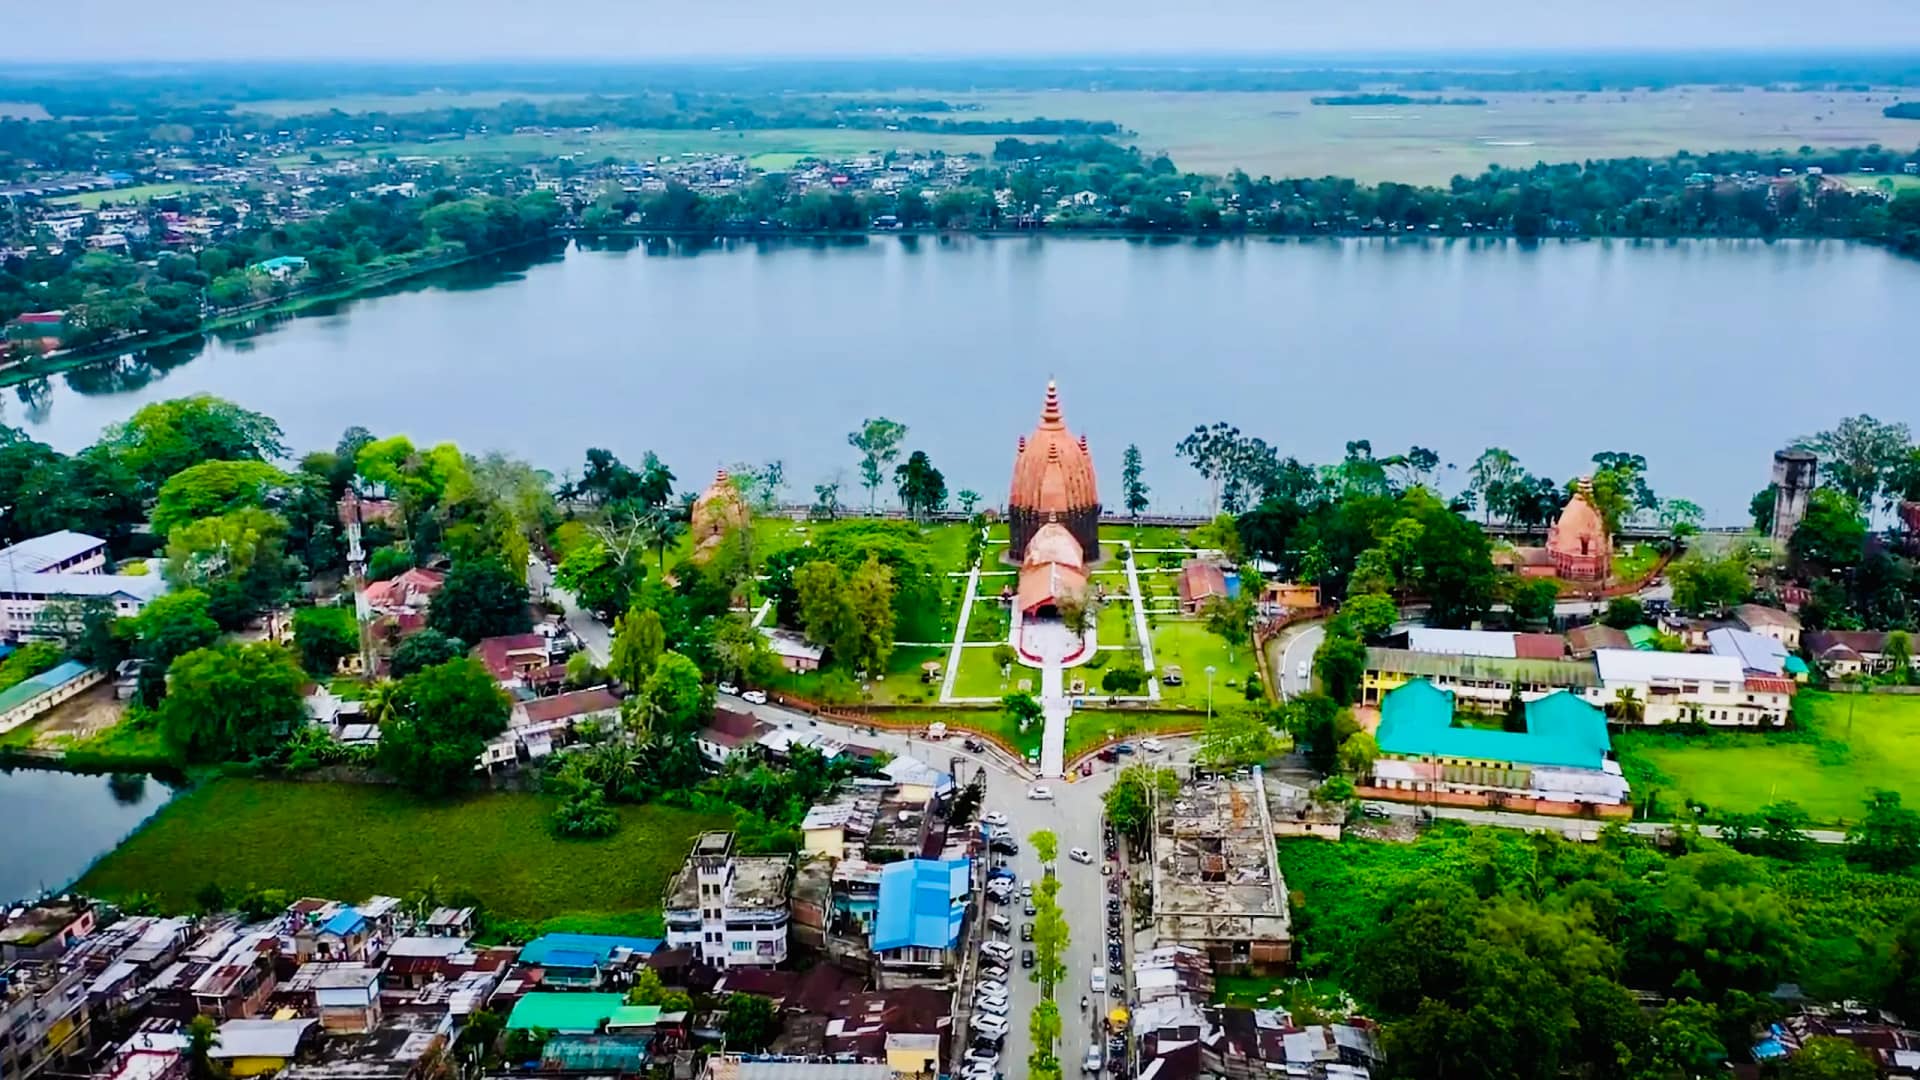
(717, 511)
(1578, 544)
(1053, 482)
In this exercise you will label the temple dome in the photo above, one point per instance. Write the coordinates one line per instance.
(717, 510)
(1579, 544)
(1053, 544)
(1053, 473)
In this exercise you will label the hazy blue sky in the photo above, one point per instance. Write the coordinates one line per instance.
(455, 29)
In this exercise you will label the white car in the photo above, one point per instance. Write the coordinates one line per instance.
(993, 1027)
(1303, 670)
(754, 697)
(1044, 794)
(729, 689)
(991, 1057)
(1152, 746)
(996, 819)
(991, 1008)
(1026, 888)
(994, 974)
(1092, 1062)
(999, 950)
(1099, 982)
(1080, 855)
(992, 986)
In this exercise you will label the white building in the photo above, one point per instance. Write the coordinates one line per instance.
(64, 565)
(1679, 688)
(732, 908)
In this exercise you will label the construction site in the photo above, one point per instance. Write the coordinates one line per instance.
(1216, 880)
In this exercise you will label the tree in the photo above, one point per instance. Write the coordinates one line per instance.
(1340, 663)
(480, 599)
(1627, 708)
(741, 652)
(675, 700)
(1022, 709)
(1127, 677)
(1134, 490)
(825, 616)
(215, 487)
(232, 702)
(203, 1034)
(1623, 612)
(168, 437)
(1231, 619)
(1887, 839)
(922, 489)
(89, 630)
(442, 718)
(1046, 846)
(423, 649)
(1358, 753)
(1371, 615)
(1760, 507)
(1533, 599)
(1860, 455)
(750, 1023)
(1705, 583)
(639, 639)
(1237, 737)
(878, 441)
(243, 548)
(1828, 1057)
(1129, 802)
(1680, 518)
(1043, 1030)
(1832, 535)
(600, 578)
(1490, 476)
(867, 636)
(325, 636)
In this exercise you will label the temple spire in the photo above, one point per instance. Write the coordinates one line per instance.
(1051, 414)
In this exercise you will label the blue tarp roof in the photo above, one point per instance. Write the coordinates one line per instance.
(346, 922)
(581, 950)
(922, 902)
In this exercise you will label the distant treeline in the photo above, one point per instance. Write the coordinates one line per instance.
(1395, 99)
(97, 89)
(1902, 110)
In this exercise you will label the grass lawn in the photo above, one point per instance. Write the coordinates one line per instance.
(649, 144)
(1311, 1001)
(1635, 561)
(351, 841)
(1188, 643)
(1114, 624)
(1142, 536)
(980, 677)
(990, 621)
(1818, 765)
(1085, 730)
(1896, 183)
(92, 200)
(902, 684)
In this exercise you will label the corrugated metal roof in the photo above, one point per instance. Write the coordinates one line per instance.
(581, 950)
(1416, 720)
(1638, 666)
(51, 679)
(34, 555)
(1558, 673)
(564, 1012)
(922, 902)
(1429, 639)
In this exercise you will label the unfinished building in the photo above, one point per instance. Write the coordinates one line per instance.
(1216, 876)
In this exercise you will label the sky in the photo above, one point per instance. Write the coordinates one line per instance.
(181, 30)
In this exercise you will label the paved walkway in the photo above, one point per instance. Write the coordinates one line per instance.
(1140, 624)
(960, 633)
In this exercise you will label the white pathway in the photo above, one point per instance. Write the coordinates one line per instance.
(960, 633)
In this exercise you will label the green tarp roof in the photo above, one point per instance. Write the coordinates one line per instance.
(1484, 668)
(1416, 720)
(563, 1012)
(1641, 637)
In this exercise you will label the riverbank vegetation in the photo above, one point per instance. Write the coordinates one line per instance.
(1559, 940)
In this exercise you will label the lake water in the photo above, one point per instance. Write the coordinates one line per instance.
(1706, 356)
(54, 824)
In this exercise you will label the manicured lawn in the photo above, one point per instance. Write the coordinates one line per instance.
(980, 677)
(1142, 536)
(1088, 728)
(1635, 561)
(989, 621)
(1115, 625)
(1897, 183)
(351, 841)
(1187, 643)
(1820, 765)
(902, 683)
(93, 200)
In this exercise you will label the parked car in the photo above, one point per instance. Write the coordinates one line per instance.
(1303, 670)
(991, 1057)
(995, 818)
(996, 1007)
(1092, 1062)
(1003, 845)
(994, 973)
(994, 1027)
(973, 745)
(1372, 811)
(754, 697)
(1086, 768)
(1106, 754)
(1123, 748)
(1080, 855)
(999, 950)
(729, 689)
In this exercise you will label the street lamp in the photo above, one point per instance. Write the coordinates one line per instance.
(1209, 692)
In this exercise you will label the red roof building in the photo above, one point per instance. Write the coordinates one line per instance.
(1539, 646)
(1053, 481)
(411, 591)
(1579, 544)
(511, 658)
(569, 708)
(1053, 571)
(1201, 581)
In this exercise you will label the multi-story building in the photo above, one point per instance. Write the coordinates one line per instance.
(64, 565)
(43, 1016)
(732, 908)
(1680, 688)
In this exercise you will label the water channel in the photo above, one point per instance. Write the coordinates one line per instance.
(54, 824)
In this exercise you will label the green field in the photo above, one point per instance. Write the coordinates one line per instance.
(350, 841)
(425, 101)
(137, 193)
(1284, 134)
(1820, 765)
(647, 144)
(1895, 183)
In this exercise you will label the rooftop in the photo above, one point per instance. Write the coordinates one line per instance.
(922, 903)
(1757, 653)
(35, 555)
(1416, 720)
(574, 703)
(138, 586)
(583, 950)
(563, 1012)
(260, 1038)
(1641, 666)
(1557, 673)
(1214, 872)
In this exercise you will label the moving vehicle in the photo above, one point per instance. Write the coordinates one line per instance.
(1029, 907)
(1372, 811)
(997, 818)
(754, 697)
(1080, 855)
(1026, 958)
(973, 745)
(1092, 1063)
(1042, 793)
(1302, 670)
(1152, 746)
(1026, 931)
(1098, 983)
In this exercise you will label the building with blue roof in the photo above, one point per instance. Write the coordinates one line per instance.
(584, 960)
(1563, 755)
(922, 911)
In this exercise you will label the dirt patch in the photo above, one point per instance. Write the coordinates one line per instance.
(80, 717)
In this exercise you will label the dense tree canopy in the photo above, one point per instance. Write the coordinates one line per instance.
(442, 718)
(232, 701)
(480, 599)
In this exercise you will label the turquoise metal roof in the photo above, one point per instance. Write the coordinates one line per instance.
(51, 679)
(1416, 720)
(922, 902)
(581, 950)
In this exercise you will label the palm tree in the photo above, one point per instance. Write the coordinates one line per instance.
(659, 528)
(1627, 707)
(380, 702)
(202, 1036)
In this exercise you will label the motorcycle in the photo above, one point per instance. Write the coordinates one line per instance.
(1083, 1003)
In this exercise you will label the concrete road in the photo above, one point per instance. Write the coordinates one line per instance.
(1297, 646)
(594, 635)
